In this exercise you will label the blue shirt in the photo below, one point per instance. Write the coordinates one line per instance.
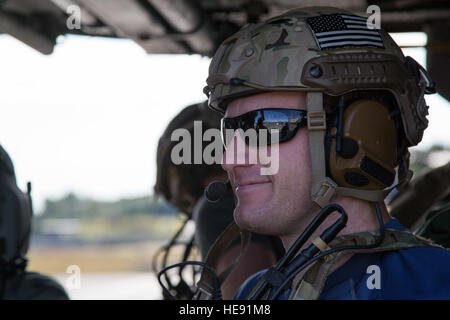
(415, 273)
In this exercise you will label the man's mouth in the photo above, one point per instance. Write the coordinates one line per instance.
(250, 186)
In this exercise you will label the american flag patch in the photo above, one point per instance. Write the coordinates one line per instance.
(341, 30)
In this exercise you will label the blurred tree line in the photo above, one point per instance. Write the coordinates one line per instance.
(75, 207)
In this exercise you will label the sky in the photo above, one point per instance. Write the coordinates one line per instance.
(87, 118)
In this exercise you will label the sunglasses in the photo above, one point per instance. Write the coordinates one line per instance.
(285, 122)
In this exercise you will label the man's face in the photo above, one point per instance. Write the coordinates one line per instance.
(275, 204)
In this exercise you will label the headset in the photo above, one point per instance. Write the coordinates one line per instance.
(360, 151)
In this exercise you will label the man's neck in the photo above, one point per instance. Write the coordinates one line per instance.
(361, 215)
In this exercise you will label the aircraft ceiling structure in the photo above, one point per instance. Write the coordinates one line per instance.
(199, 26)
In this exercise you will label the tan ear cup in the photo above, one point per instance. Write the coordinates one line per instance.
(368, 154)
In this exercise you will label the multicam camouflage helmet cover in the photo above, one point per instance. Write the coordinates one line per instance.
(320, 50)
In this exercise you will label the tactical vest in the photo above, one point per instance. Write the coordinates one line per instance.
(312, 282)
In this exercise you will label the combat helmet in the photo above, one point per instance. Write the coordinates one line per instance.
(186, 178)
(359, 145)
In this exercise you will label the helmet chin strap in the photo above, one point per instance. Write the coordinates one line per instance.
(324, 190)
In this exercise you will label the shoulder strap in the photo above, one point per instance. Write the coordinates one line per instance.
(312, 283)
(206, 283)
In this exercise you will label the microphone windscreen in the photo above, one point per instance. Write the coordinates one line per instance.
(215, 190)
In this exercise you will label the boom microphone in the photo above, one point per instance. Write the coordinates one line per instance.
(215, 191)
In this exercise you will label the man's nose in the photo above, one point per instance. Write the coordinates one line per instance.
(236, 153)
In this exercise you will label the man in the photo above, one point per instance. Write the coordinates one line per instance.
(183, 184)
(346, 105)
(16, 283)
